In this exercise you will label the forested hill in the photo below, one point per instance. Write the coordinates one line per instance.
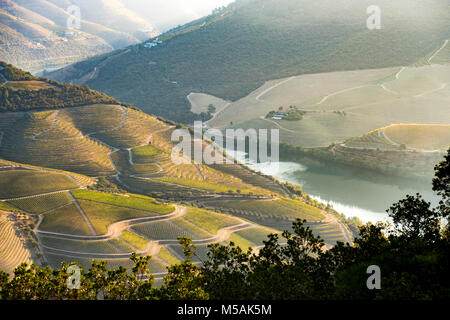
(21, 91)
(235, 50)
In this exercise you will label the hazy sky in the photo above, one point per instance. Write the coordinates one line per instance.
(164, 14)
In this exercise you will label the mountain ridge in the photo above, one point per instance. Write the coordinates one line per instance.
(235, 50)
(34, 34)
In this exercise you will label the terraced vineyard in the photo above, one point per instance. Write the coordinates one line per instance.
(102, 215)
(67, 220)
(37, 141)
(122, 163)
(134, 240)
(135, 131)
(196, 224)
(156, 188)
(92, 118)
(12, 249)
(420, 136)
(201, 253)
(277, 209)
(146, 154)
(209, 220)
(372, 140)
(203, 185)
(74, 222)
(114, 246)
(404, 136)
(128, 201)
(241, 242)
(255, 236)
(168, 257)
(250, 177)
(42, 204)
(166, 230)
(330, 231)
(81, 180)
(22, 183)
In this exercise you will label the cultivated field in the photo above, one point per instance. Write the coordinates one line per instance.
(166, 230)
(420, 136)
(21, 183)
(42, 204)
(276, 209)
(12, 249)
(102, 215)
(73, 222)
(200, 102)
(45, 141)
(138, 202)
(66, 220)
(114, 246)
(342, 105)
(292, 91)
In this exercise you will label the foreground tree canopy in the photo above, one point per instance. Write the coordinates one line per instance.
(412, 254)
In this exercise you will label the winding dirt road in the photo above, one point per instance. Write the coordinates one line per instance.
(152, 248)
(116, 229)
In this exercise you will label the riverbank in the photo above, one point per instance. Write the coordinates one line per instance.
(409, 165)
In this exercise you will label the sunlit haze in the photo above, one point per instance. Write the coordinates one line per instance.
(165, 14)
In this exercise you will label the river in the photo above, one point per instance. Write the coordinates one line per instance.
(351, 192)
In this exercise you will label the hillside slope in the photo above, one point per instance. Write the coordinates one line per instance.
(97, 182)
(34, 34)
(234, 51)
(21, 91)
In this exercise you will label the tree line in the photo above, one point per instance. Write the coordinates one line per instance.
(62, 96)
(59, 95)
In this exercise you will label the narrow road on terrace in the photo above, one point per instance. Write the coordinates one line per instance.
(115, 229)
(153, 247)
(258, 98)
(437, 52)
(341, 91)
(383, 85)
(431, 91)
(215, 115)
(397, 75)
(278, 125)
